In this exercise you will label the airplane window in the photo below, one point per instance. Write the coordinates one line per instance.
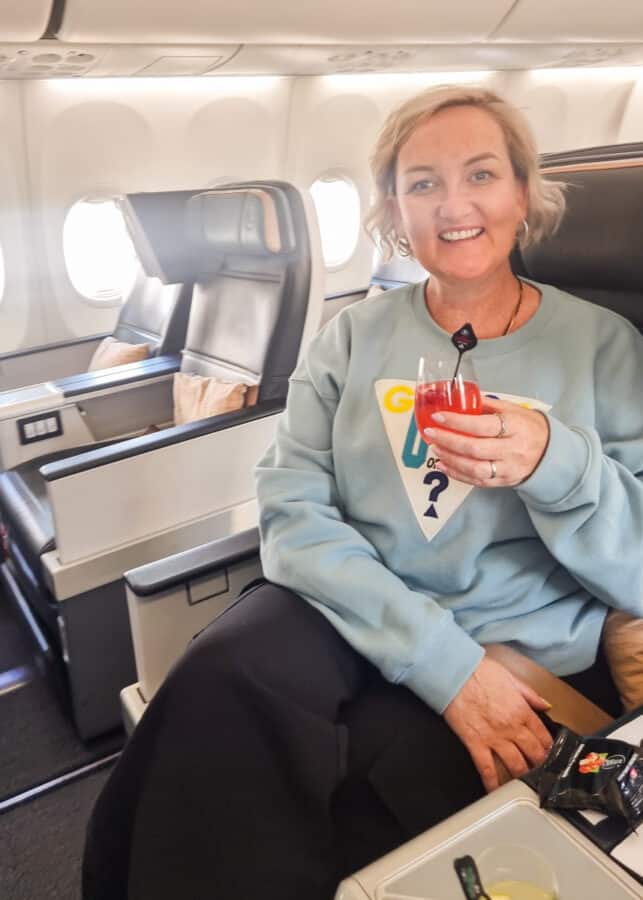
(1, 274)
(337, 204)
(100, 257)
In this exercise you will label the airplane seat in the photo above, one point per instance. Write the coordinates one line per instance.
(157, 308)
(155, 314)
(247, 316)
(94, 408)
(256, 301)
(595, 253)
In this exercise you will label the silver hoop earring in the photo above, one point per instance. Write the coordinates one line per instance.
(403, 247)
(524, 237)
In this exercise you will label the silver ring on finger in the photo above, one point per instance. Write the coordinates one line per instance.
(503, 427)
(494, 471)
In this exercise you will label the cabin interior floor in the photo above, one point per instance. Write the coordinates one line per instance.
(49, 778)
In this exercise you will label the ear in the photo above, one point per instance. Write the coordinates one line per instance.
(523, 199)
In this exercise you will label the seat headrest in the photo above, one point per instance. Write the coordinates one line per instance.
(156, 224)
(248, 221)
(596, 252)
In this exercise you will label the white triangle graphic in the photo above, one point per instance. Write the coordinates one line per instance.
(434, 497)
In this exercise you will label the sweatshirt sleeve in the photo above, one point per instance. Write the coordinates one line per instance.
(308, 547)
(585, 499)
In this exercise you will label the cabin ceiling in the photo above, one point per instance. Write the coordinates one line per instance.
(103, 38)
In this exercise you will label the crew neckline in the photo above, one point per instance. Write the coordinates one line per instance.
(499, 345)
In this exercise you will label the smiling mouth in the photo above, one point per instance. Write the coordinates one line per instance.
(460, 234)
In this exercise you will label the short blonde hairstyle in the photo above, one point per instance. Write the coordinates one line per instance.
(545, 199)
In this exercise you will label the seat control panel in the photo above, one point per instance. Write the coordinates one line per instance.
(40, 427)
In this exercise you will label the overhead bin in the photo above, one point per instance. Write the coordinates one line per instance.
(24, 21)
(573, 21)
(280, 21)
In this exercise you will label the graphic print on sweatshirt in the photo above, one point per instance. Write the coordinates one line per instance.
(434, 496)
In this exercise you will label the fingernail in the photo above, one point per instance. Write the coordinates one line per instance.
(548, 704)
(429, 432)
(438, 417)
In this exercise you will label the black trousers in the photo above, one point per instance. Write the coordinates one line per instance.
(273, 762)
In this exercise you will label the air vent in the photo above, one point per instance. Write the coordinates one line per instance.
(368, 60)
(38, 62)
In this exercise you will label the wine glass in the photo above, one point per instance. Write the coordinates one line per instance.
(517, 873)
(440, 389)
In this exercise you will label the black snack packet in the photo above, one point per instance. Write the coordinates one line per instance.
(593, 773)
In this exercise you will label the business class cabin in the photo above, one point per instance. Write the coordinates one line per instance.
(200, 228)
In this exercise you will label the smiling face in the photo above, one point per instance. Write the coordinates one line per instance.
(457, 200)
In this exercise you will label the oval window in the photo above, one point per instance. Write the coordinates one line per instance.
(337, 204)
(99, 254)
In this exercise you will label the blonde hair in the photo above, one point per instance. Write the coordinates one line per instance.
(545, 199)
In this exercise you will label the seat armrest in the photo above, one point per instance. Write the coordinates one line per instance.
(164, 574)
(116, 376)
(568, 706)
(9, 355)
(92, 459)
(173, 599)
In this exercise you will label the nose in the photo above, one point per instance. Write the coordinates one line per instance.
(455, 204)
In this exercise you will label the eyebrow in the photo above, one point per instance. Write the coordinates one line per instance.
(468, 162)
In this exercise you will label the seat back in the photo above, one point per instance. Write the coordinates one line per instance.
(154, 313)
(157, 307)
(255, 290)
(596, 253)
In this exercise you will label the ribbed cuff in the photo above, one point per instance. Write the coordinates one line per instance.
(562, 469)
(449, 663)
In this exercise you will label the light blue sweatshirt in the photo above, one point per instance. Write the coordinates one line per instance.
(418, 574)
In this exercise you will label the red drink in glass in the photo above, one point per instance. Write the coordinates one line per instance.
(452, 395)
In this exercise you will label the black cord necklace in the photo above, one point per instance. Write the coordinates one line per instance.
(516, 310)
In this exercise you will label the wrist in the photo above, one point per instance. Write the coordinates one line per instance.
(545, 446)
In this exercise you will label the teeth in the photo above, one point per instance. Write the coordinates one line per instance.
(460, 235)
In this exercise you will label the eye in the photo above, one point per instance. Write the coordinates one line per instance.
(482, 177)
(422, 186)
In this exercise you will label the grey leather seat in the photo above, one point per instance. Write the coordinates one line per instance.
(157, 307)
(252, 271)
(249, 256)
(154, 313)
(596, 252)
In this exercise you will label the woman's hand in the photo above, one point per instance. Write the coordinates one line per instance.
(494, 713)
(476, 452)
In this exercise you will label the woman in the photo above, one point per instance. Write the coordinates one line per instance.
(335, 729)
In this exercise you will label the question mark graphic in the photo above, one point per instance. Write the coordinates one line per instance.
(442, 483)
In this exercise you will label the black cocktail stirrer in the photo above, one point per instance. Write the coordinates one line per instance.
(463, 339)
(469, 878)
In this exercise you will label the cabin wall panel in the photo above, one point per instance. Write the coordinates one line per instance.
(19, 319)
(107, 137)
(631, 124)
(572, 108)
